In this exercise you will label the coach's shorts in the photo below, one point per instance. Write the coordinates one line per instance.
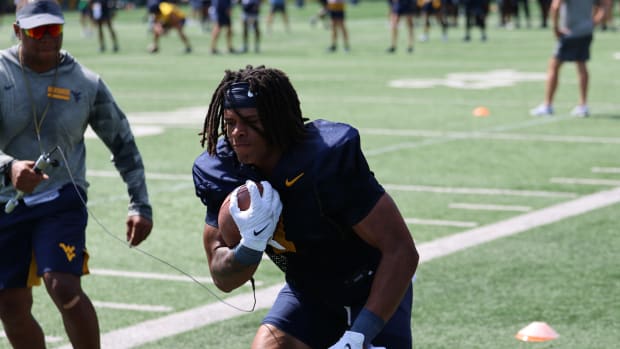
(571, 49)
(320, 325)
(48, 237)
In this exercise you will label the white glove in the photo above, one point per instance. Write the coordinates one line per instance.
(350, 340)
(259, 221)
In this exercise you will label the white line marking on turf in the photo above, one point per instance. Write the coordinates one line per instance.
(149, 175)
(440, 137)
(136, 307)
(156, 329)
(395, 187)
(606, 169)
(585, 181)
(457, 242)
(479, 191)
(487, 207)
(154, 276)
(443, 223)
(173, 324)
(494, 134)
(149, 276)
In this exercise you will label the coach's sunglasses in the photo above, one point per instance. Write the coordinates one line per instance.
(37, 32)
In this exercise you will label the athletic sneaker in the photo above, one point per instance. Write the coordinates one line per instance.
(542, 110)
(391, 49)
(580, 111)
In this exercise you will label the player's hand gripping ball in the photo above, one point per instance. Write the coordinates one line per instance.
(260, 214)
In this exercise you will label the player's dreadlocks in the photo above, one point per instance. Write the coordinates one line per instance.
(276, 101)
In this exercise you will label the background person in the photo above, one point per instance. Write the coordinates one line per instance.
(102, 12)
(277, 6)
(250, 22)
(336, 10)
(166, 16)
(48, 100)
(574, 32)
(399, 9)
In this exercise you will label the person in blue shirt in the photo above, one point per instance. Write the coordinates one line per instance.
(323, 219)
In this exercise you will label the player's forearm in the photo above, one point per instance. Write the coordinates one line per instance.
(392, 279)
(227, 273)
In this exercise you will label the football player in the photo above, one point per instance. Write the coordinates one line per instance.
(345, 249)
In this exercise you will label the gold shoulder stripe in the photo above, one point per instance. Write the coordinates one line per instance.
(58, 93)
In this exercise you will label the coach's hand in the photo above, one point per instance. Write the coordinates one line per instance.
(138, 229)
(257, 223)
(350, 340)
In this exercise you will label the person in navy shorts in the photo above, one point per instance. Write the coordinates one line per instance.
(47, 102)
(323, 218)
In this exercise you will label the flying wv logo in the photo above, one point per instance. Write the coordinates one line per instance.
(69, 251)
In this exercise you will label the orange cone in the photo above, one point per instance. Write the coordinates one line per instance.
(481, 112)
(537, 332)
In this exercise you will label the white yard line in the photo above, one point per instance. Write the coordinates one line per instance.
(493, 135)
(154, 276)
(606, 169)
(394, 187)
(149, 175)
(457, 242)
(133, 307)
(440, 137)
(173, 324)
(479, 191)
(488, 207)
(443, 223)
(585, 181)
(149, 276)
(156, 329)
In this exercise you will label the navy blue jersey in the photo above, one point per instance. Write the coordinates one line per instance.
(326, 187)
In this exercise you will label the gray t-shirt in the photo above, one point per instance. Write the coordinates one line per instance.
(576, 17)
(63, 102)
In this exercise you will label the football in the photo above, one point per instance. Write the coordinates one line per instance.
(228, 228)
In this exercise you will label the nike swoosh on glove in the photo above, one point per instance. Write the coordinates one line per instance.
(350, 340)
(257, 223)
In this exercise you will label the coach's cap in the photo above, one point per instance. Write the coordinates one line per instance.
(37, 13)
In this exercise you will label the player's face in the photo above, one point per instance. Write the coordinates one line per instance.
(243, 127)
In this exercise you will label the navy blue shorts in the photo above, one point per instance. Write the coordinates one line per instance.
(278, 8)
(336, 14)
(403, 8)
(223, 17)
(320, 325)
(572, 49)
(48, 237)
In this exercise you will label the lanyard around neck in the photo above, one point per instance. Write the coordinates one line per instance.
(37, 122)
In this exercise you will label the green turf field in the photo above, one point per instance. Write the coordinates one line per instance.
(449, 171)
